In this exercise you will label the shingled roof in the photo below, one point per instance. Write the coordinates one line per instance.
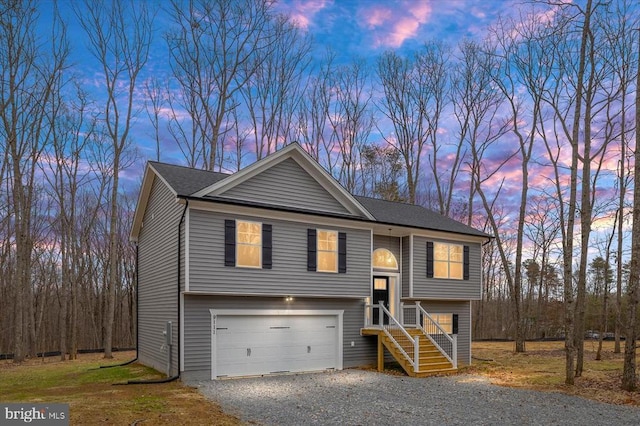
(187, 181)
(415, 216)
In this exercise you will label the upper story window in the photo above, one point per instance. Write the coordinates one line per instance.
(249, 244)
(384, 259)
(447, 260)
(327, 251)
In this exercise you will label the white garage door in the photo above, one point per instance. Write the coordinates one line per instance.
(256, 344)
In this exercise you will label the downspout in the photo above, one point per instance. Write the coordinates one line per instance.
(184, 212)
(177, 375)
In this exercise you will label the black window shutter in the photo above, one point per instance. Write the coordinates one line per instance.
(311, 250)
(466, 263)
(454, 326)
(267, 262)
(429, 259)
(229, 243)
(342, 252)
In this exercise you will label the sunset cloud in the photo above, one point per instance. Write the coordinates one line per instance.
(303, 12)
(392, 26)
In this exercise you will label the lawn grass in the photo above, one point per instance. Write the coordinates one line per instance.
(94, 399)
(542, 367)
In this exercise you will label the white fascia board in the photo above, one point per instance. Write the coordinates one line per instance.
(185, 235)
(246, 173)
(266, 213)
(276, 295)
(268, 312)
(181, 333)
(411, 265)
(449, 236)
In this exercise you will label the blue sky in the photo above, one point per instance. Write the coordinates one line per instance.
(351, 28)
(368, 27)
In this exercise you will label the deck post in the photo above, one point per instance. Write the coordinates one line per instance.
(416, 354)
(380, 354)
(455, 351)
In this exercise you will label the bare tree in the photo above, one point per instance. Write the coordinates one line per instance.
(274, 86)
(155, 99)
(404, 105)
(70, 134)
(619, 37)
(118, 37)
(29, 73)
(213, 49)
(433, 64)
(629, 379)
(313, 128)
(351, 119)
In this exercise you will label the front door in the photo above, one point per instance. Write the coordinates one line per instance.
(380, 294)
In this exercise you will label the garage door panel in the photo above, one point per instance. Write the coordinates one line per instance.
(263, 344)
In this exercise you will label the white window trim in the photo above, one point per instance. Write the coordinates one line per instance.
(238, 244)
(327, 251)
(449, 261)
(386, 268)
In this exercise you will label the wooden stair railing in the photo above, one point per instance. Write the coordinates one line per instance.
(412, 348)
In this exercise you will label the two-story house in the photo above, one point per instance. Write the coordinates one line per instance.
(277, 268)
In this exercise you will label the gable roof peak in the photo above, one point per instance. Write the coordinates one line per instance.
(295, 152)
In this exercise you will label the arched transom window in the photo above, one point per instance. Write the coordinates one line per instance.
(384, 259)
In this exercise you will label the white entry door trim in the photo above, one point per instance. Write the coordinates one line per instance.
(215, 313)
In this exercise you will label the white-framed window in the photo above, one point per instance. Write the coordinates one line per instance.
(327, 243)
(445, 321)
(248, 244)
(448, 261)
(384, 259)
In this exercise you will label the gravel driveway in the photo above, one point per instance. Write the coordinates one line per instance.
(355, 397)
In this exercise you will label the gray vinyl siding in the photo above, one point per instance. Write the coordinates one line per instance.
(197, 337)
(286, 184)
(406, 265)
(157, 278)
(289, 275)
(447, 289)
(464, 324)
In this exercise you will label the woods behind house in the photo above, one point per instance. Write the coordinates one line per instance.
(528, 135)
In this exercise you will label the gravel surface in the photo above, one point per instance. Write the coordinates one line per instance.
(355, 397)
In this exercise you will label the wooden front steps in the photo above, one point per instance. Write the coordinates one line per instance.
(431, 361)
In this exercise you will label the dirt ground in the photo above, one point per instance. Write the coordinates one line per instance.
(95, 396)
(542, 367)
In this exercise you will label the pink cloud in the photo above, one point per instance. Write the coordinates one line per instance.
(302, 12)
(377, 16)
(392, 26)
